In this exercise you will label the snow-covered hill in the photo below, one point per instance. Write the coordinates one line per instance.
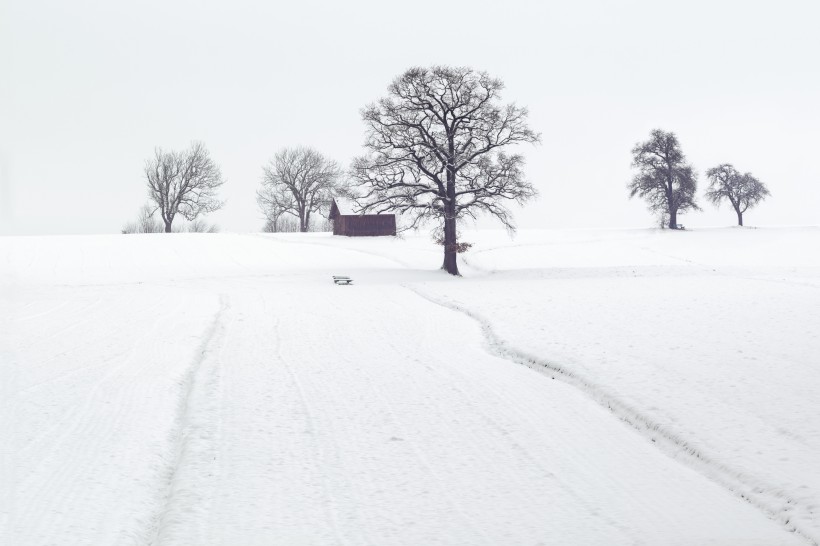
(574, 387)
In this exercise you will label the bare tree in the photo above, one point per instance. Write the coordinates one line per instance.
(201, 226)
(290, 224)
(297, 181)
(146, 223)
(272, 203)
(664, 178)
(183, 183)
(279, 225)
(743, 191)
(270, 226)
(435, 151)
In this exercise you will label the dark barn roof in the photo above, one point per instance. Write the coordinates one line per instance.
(334, 210)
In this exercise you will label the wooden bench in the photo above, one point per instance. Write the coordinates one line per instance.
(342, 280)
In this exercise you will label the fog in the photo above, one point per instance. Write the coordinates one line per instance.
(89, 88)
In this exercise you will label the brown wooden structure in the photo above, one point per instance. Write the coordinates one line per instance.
(361, 225)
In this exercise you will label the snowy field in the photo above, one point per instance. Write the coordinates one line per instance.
(573, 388)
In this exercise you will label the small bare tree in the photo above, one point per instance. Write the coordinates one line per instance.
(272, 205)
(436, 151)
(183, 183)
(297, 181)
(743, 191)
(664, 178)
(201, 226)
(270, 226)
(146, 223)
(290, 224)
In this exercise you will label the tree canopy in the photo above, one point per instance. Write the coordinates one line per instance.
(183, 183)
(437, 149)
(743, 191)
(664, 179)
(297, 181)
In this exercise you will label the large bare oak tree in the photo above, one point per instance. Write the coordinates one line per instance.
(435, 150)
(743, 191)
(297, 181)
(664, 179)
(183, 183)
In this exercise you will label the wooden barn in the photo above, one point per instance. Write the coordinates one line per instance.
(359, 225)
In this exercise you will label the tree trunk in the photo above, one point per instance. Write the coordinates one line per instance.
(670, 192)
(739, 218)
(167, 227)
(450, 264)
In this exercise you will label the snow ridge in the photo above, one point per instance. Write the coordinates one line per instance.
(774, 502)
(194, 432)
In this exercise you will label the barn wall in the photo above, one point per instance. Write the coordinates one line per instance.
(368, 225)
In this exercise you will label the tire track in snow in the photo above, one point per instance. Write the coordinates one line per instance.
(458, 378)
(70, 424)
(416, 445)
(193, 433)
(774, 502)
(319, 456)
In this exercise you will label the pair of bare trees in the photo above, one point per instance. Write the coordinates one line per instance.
(297, 181)
(668, 183)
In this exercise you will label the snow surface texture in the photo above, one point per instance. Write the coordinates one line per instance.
(220, 389)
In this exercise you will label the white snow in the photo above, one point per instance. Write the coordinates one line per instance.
(220, 389)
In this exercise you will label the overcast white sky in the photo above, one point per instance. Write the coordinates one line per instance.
(89, 88)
